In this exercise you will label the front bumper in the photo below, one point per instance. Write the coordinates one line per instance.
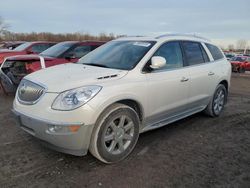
(75, 143)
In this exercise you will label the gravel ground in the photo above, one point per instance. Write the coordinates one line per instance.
(195, 152)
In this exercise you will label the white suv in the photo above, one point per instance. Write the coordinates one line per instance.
(123, 88)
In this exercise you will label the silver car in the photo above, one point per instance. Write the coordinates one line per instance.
(127, 86)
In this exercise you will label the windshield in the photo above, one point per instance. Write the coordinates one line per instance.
(118, 54)
(241, 59)
(58, 49)
(22, 46)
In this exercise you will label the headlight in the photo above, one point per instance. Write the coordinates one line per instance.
(72, 99)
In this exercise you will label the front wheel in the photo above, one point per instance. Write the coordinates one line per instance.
(115, 134)
(217, 103)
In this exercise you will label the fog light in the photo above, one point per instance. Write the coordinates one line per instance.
(63, 129)
(55, 128)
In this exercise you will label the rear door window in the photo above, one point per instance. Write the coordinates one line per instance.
(215, 51)
(193, 52)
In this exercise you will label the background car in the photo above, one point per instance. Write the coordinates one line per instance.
(15, 68)
(26, 48)
(229, 56)
(10, 44)
(240, 64)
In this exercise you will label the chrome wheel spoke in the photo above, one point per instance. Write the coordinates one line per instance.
(109, 137)
(113, 126)
(128, 126)
(112, 146)
(120, 146)
(127, 137)
(122, 121)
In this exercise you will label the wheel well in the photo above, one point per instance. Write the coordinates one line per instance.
(135, 105)
(225, 83)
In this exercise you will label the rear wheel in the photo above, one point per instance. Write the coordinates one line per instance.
(242, 70)
(217, 103)
(115, 134)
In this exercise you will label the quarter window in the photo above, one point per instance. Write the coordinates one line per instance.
(193, 52)
(171, 51)
(215, 51)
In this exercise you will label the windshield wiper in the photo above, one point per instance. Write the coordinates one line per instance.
(97, 65)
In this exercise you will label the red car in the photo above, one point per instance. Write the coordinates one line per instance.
(10, 44)
(240, 64)
(16, 67)
(26, 48)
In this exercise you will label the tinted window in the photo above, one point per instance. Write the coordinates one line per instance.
(80, 51)
(193, 53)
(171, 51)
(22, 46)
(215, 51)
(38, 48)
(58, 49)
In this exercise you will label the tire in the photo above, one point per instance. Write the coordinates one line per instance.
(242, 70)
(115, 134)
(216, 105)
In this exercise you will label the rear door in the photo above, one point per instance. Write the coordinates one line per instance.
(167, 87)
(199, 68)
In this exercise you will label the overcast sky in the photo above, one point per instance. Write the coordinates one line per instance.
(216, 19)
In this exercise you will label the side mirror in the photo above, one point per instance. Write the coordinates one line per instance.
(157, 62)
(29, 52)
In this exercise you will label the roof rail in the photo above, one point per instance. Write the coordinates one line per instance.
(179, 34)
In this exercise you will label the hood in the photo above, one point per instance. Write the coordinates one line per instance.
(68, 76)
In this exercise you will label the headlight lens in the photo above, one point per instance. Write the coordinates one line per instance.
(72, 99)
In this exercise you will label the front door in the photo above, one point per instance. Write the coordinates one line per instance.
(167, 87)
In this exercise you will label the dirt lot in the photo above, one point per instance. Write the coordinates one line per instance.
(195, 152)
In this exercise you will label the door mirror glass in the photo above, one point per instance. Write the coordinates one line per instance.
(158, 62)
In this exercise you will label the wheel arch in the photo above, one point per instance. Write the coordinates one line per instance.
(225, 83)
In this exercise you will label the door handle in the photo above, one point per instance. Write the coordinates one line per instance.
(184, 79)
(210, 73)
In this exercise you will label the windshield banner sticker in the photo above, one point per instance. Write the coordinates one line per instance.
(144, 44)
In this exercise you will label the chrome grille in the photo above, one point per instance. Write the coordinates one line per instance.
(29, 92)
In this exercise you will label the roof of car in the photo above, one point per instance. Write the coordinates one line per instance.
(165, 37)
(87, 41)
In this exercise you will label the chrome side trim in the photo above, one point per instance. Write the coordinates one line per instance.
(172, 119)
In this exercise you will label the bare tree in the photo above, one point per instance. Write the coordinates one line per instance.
(230, 47)
(3, 27)
(241, 44)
